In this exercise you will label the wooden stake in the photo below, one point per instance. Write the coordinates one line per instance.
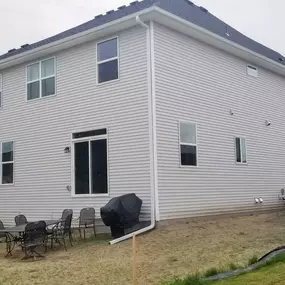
(134, 261)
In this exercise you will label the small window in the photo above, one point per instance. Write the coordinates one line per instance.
(7, 163)
(1, 89)
(90, 163)
(41, 79)
(241, 152)
(252, 70)
(188, 144)
(107, 61)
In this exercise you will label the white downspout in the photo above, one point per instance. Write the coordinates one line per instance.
(152, 128)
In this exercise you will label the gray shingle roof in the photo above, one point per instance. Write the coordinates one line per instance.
(182, 8)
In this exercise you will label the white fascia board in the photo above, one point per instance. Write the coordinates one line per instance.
(160, 16)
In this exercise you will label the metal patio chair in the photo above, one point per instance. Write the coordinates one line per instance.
(60, 233)
(2, 235)
(33, 237)
(87, 220)
(65, 214)
(21, 220)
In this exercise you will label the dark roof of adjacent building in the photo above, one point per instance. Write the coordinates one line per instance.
(185, 9)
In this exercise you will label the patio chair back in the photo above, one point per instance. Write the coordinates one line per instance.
(67, 224)
(2, 228)
(20, 220)
(87, 216)
(65, 213)
(35, 234)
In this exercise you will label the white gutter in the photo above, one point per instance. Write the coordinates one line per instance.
(152, 128)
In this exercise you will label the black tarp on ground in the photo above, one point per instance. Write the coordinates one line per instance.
(121, 213)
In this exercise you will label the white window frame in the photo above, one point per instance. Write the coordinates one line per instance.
(41, 78)
(7, 162)
(241, 163)
(1, 91)
(107, 60)
(189, 144)
(89, 139)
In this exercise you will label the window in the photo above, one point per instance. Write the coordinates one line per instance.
(1, 88)
(41, 79)
(107, 61)
(188, 144)
(7, 163)
(90, 163)
(241, 153)
(252, 70)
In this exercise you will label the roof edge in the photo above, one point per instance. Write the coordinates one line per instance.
(86, 36)
(156, 14)
(177, 23)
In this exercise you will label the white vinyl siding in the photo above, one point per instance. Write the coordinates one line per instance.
(198, 83)
(43, 130)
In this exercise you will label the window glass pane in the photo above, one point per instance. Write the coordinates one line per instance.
(7, 152)
(188, 155)
(33, 90)
(47, 68)
(81, 160)
(238, 154)
(99, 167)
(243, 150)
(107, 50)
(33, 72)
(48, 86)
(7, 173)
(108, 71)
(187, 133)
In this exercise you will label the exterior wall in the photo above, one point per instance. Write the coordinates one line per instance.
(41, 129)
(200, 84)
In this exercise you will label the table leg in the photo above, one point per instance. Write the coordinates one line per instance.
(10, 244)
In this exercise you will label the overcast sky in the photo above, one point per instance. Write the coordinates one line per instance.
(28, 21)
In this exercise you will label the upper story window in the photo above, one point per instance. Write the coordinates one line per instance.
(41, 79)
(7, 163)
(188, 144)
(1, 89)
(241, 152)
(107, 60)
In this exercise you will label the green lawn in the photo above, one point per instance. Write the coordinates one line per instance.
(270, 275)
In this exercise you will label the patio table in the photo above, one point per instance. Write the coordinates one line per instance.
(12, 239)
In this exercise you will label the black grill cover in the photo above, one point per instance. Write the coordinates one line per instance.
(122, 211)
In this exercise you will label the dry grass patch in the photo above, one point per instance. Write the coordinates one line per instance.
(168, 252)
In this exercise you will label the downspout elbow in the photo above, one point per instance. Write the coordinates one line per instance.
(140, 22)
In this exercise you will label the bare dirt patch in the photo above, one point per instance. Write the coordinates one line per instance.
(176, 250)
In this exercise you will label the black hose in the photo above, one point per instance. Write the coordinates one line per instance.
(250, 268)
